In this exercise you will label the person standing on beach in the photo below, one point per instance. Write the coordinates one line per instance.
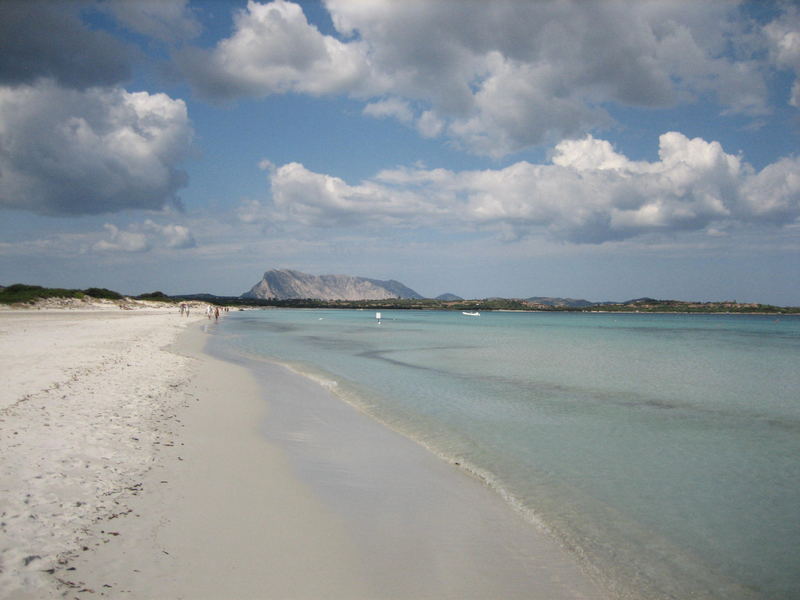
(216, 313)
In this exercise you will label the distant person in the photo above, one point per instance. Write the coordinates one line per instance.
(216, 313)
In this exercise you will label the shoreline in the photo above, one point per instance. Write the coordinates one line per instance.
(221, 515)
(216, 481)
(451, 534)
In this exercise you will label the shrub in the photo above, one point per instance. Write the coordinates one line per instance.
(21, 292)
(103, 293)
(158, 296)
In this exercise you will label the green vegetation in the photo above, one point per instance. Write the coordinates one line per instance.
(103, 293)
(20, 292)
(24, 293)
(649, 305)
(156, 296)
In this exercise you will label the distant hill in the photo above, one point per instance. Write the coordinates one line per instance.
(449, 298)
(645, 300)
(397, 288)
(285, 284)
(559, 302)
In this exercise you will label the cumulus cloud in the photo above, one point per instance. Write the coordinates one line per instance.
(302, 196)
(71, 152)
(495, 77)
(505, 75)
(144, 237)
(273, 50)
(46, 39)
(783, 35)
(589, 193)
(773, 194)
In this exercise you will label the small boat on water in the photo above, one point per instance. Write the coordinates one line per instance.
(471, 313)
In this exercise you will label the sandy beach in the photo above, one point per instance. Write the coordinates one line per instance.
(88, 399)
(136, 465)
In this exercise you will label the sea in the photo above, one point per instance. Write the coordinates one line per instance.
(662, 450)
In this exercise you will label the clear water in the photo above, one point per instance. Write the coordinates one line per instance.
(664, 450)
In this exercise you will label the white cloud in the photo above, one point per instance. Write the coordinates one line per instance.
(266, 165)
(302, 196)
(144, 237)
(122, 241)
(588, 194)
(170, 235)
(251, 211)
(70, 152)
(274, 50)
(135, 238)
(429, 125)
(391, 107)
(773, 194)
(495, 77)
(783, 37)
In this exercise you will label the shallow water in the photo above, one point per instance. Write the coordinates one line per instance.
(662, 449)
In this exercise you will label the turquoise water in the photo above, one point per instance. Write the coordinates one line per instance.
(664, 450)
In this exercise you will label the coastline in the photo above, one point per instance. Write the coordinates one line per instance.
(221, 515)
(421, 526)
(225, 494)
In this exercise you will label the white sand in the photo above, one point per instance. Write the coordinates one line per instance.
(130, 469)
(135, 470)
(222, 516)
(85, 400)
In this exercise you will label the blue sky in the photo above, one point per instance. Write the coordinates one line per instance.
(600, 150)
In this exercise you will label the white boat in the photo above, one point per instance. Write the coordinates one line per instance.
(471, 314)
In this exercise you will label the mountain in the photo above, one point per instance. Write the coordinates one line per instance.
(560, 302)
(396, 288)
(449, 298)
(284, 284)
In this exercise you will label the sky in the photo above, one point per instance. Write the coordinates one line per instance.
(603, 150)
